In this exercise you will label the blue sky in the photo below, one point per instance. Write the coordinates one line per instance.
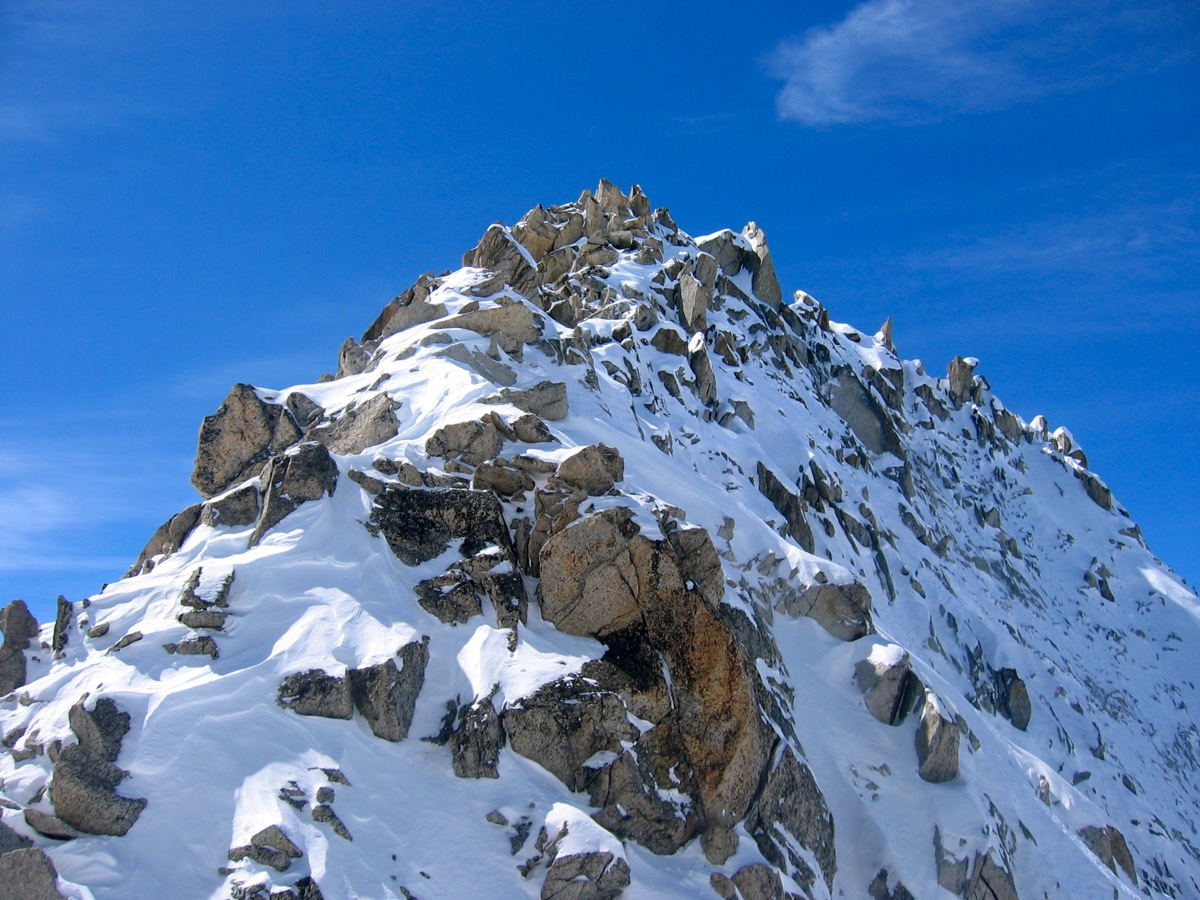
(193, 195)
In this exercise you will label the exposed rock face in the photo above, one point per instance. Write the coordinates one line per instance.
(237, 508)
(472, 442)
(546, 399)
(62, 625)
(102, 729)
(789, 504)
(937, 743)
(238, 438)
(753, 882)
(419, 525)
(28, 874)
(409, 309)
(961, 373)
(308, 473)
(386, 696)
(864, 414)
(19, 627)
(1109, 846)
(316, 693)
(765, 282)
(11, 840)
(477, 740)
(585, 876)
(84, 793)
(792, 805)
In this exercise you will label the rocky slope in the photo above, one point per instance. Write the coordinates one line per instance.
(598, 569)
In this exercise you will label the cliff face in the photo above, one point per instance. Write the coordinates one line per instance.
(599, 569)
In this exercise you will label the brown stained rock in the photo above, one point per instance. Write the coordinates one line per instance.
(753, 882)
(594, 469)
(49, 826)
(28, 874)
(791, 804)
(962, 386)
(241, 435)
(84, 793)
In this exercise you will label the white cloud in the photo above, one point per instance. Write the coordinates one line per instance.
(917, 60)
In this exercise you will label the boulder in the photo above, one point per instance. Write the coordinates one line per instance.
(791, 813)
(1014, 698)
(194, 646)
(168, 538)
(511, 326)
(701, 365)
(102, 729)
(753, 882)
(789, 504)
(236, 508)
(473, 442)
(453, 597)
(844, 610)
(269, 847)
(28, 874)
(11, 840)
(84, 795)
(386, 696)
(667, 339)
(937, 743)
(420, 524)
(502, 479)
(586, 876)
(699, 563)
(409, 309)
(594, 469)
(989, 881)
(693, 303)
(494, 371)
(240, 436)
(49, 826)
(363, 425)
(530, 429)
(865, 415)
(547, 399)
(476, 740)
(306, 473)
(889, 687)
(499, 251)
(316, 693)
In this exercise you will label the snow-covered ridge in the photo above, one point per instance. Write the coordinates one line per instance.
(599, 568)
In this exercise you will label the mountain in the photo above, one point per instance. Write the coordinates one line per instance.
(599, 570)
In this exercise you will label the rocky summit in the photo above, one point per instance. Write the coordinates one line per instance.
(598, 569)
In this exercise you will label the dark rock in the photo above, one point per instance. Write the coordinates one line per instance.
(585, 876)
(792, 808)
(18, 624)
(325, 814)
(307, 473)
(203, 618)
(386, 696)
(102, 729)
(530, 429)
(419, 525)
(269, 847)
(699, 563)
(13, 668)
(197, 646)
(49, 826)
(878, 889)
(937, 743)
(789, 504)
(410, 308)
(701, 366)
(476, 741)
(1014, 698)
(867, 418)
(166, 540)
(240, 436)
(84, 793)
(191, 595)
(316, 693)
(62, 625)
(131, 638)
(237, 508)
(1109, 846)
(961, 374)
(753, 882)
(11, 840)
(28, 874)
(989, 881)
(453, 597)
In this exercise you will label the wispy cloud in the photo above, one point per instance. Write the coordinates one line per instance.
(918, 60)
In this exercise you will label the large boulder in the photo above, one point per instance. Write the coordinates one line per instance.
(28, 874)
(409, 309)
(20, 628)
(234, 508)
(511, 326)
(1110, 847)
(865, 415)
(476, 741)
(473, 442)
(268, 847)
(791, 813)
(361, 426)
(594, 469)
(167, 538)
(305, 473)
(937, 742)
(889, 686)
(101, 729)
(789, 504)
(420, 524)
(84, 795)
(765, 282)
(844, 610)
(238, 438)
(547, 399)
(961, 381)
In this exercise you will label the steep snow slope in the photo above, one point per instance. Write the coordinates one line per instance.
(771, 531)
